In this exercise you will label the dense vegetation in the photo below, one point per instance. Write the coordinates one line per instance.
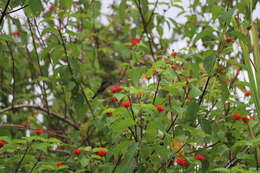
(192, 109)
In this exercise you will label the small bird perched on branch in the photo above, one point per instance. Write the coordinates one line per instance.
(112, 77)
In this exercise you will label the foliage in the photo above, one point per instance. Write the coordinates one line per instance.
(158, 110)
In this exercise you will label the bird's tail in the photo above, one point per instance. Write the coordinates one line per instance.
(102, 88)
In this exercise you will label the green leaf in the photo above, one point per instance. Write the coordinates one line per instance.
(204, 33)
(119, 126)
(35, 7)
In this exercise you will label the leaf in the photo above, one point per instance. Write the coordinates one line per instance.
(6, 37)
(216, 11)
(195, 91)
(176, 145)
(119, 126)
(35, 7)
(128, 163)
(203, 34)
(192, 109)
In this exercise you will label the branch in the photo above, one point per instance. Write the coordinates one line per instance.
(9, 12)
(4, 12)
(52, 114)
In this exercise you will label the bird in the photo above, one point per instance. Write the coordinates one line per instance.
(113, 75)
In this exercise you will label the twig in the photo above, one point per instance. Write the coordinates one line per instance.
(138, 4)
(24, 154)
(117, 163)
(13, 72)
(52, 114)
(157, 89)
(36, 163)
(72, 74)
(4, 12)
(38, 61)
(9, 12)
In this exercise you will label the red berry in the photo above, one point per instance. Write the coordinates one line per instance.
(228, 103)
(248, 93)
(51, 8)
(154, 71)
(16, 33)
(76, 152)
(181, 161)
(62, 5)
(221, 71)
(115, 99)
(109, 114)
(25, 125)
(116, 89)
(160, 108)
(59, 163)
(174, 67)
(237, 116)
(228, 40)
(38, 131)
(126, 104)
(101, 152)
(62, 147)
(174, 54)
(140, 93)
(200, 157)
(135, 41)
(147, 77)
(2, 143)
(245, 119)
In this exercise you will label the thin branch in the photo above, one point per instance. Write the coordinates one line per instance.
(157, 89)
(4, 12)
(72, 74)
(21, 160)
(52, 114)
(38, 61)
(9, 12)
(37, 161)
(13, 72)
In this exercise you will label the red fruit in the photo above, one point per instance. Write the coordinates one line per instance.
(135, 41)
(126, 104)
(25, 125)
(2, 143)
(51, 8)
(245, 119)
(229, 40)
(181, 161)
(200, 157)
(237, 116)
(140, 93)
(62, 147)
(116, 89)
(101, 152)
(59, 163)
(16, 33)
(160, 108)
(76, 152)
(254, 118)
(174, 54)
(109, 114)
(147, 77)
(115, 99)
(221, 71)
(62, 5)
(174, 67)
(248, 93)
(38, 131)
(228, 103)
(154, 71)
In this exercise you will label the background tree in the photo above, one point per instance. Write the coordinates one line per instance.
(185, 110)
